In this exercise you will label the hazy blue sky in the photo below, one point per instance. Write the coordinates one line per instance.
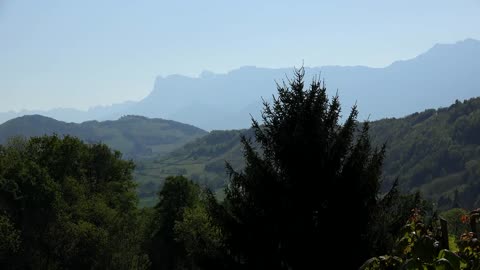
(57, 53)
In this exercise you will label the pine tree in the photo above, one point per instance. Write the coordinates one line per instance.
(306, 197)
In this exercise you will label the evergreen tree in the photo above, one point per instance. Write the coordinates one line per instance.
(305, 198)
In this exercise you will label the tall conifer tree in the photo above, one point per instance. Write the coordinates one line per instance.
(308, 193)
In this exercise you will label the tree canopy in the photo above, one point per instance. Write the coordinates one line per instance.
(67, 205)
(312, 183)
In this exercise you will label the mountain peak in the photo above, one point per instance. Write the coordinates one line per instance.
(132, 117)
(462, 44)
(34, 117)
(469, 41)
(207, 74)
(460, 51)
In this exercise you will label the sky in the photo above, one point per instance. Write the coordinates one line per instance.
(79, 54)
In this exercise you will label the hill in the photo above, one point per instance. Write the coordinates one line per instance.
(407, 86)
(135, 136)
(436, 152)
(202, 160)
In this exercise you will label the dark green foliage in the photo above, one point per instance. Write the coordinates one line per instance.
(313, 185)
(9, 240)
(177, 194)
(181, 233)
(389, 216)
(66, 204)
(435, 152)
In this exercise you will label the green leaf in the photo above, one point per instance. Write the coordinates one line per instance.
(452, 258)
(412, 264)
(444, 264)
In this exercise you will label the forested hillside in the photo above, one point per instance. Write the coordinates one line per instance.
(435, 151)
(135, 136)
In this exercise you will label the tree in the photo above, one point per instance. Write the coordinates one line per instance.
(9, 241)
(199, 235)
(68, 205)
(182, 233)
(307, 196)
(178, 193)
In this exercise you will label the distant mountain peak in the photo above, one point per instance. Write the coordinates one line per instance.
(133, 117)
(459, 51)
(207, 74)
(462, 44)
(469, 41)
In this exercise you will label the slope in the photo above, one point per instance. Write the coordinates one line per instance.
(135, 136)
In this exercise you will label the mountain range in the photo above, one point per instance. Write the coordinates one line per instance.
(436, 78)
